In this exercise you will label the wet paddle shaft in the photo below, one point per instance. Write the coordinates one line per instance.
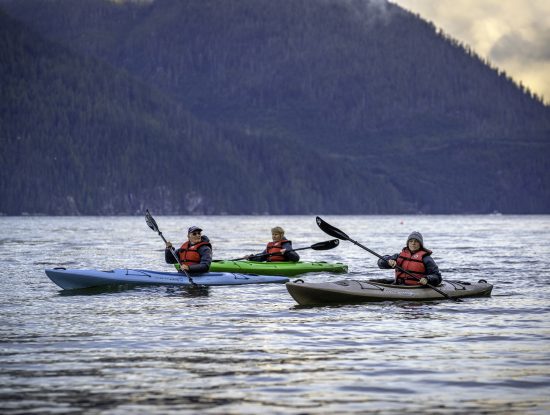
(337, 233)
(153, 225)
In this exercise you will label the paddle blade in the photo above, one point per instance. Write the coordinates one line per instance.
(324, 246)
(331, 230)
(150, 221)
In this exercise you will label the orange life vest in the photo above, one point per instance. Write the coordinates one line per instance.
(274, 248)
(412, 263)
(189, 255)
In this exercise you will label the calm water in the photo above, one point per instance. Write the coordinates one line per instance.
(250, 349)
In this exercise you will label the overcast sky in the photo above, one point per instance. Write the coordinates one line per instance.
(514, 35)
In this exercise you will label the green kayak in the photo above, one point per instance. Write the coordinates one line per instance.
(288, 269)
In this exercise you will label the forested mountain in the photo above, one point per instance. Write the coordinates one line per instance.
(81, 137)
(255, 106)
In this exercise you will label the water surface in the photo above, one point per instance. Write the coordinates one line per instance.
(251, 349)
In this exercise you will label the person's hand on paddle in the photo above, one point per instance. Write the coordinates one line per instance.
(182, 266)
(423, 281)
(392, 263)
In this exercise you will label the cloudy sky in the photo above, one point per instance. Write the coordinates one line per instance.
(514, 35)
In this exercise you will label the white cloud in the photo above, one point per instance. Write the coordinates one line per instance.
(513, 35)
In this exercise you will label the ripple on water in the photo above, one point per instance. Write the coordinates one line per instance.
(252, 349)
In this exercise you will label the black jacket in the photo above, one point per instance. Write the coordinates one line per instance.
(204, 251)
(291, 256)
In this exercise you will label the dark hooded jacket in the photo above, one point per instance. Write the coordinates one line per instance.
(432, 270)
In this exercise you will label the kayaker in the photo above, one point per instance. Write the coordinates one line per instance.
(195, 254)
(416, 259)
(279, 249)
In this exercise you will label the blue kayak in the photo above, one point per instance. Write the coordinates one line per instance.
(69, 279)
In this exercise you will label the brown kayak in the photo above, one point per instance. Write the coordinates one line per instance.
(353, 291)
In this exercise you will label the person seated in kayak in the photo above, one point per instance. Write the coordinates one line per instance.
(195, 255)
(416, 259)
(280, 249)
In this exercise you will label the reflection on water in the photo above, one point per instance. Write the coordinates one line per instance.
(176, 291)
(192, 291)
(252, 349)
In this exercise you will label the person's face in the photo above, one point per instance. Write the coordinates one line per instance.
(194, 237)
(276, 236)
(413, 245)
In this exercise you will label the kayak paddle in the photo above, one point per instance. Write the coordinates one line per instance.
(337, 233)
(319, 246)
(153, 225)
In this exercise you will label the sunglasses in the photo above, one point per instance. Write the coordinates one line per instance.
(196, 233)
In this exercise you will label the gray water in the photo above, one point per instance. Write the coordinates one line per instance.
(251, 349)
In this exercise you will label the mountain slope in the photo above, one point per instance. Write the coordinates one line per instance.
(80, 137)
(365, 107)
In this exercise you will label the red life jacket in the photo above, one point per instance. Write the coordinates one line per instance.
(412, 263)
(274, 248)
(189, 255)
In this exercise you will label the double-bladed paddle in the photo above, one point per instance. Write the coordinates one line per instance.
(153, 225)
(319, 246)
(337, 233)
